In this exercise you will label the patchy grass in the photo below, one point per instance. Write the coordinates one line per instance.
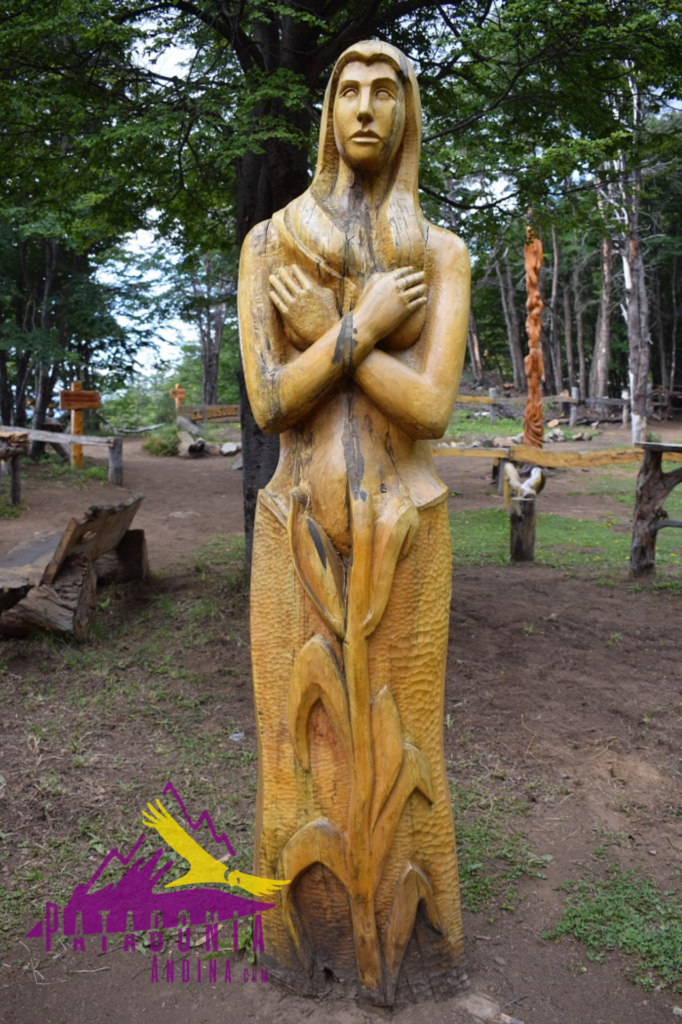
(621, 910)
(465, 426)
(493, 854)
(7, 509)
(578, 546)
(97, 729)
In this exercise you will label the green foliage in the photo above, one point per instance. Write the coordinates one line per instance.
(162, 442)
(493, 856)
(624, 911)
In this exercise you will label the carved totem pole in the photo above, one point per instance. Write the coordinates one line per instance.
(353, 318)
(533, 430)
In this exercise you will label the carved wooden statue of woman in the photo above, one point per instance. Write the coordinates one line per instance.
(353, 314)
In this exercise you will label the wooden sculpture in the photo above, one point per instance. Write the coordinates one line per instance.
(353, 316)
(533, 430)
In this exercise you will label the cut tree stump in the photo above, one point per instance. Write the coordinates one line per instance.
(519, 501)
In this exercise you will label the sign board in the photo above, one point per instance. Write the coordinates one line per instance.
(73, 400)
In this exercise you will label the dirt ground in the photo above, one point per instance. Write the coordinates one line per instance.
(559, 690)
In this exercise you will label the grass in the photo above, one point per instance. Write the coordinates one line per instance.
(579, 546)
(621, 910)
(465, 427)
(7, 509)
(493, 854)
(101, 726)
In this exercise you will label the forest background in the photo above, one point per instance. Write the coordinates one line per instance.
(183, 124)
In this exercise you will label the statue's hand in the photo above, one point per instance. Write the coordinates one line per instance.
(388, 299)
(308, 308)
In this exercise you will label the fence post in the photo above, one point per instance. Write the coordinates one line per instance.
(15, 468)
(625, 395)
(493, 395)
(116, 461)
(573, 414)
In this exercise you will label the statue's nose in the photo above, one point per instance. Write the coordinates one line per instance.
(365, 114)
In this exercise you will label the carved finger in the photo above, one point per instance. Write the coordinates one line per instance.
(402, 272)
(280, 288)
(290, 281)
(414, 293)
(279, 304)
(412, 279)
(303, 279)
(416, 303)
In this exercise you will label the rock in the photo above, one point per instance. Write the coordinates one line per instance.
(188, 426)
(553, 423)
(502, 442)
(238, 463)
(231, 448)
(211, 449)
(236, 736)
(190, 447)
(517, 439)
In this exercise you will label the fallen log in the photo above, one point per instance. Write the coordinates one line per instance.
(65, 606)
(128, 561)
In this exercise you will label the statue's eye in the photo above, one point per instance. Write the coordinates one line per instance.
(349, 92)
(383, 94)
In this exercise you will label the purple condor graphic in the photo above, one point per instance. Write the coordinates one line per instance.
(134, 892)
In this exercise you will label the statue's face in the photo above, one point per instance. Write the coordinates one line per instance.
(369, 115)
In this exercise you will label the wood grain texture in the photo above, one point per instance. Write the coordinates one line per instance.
(353, 320)
(533, 429)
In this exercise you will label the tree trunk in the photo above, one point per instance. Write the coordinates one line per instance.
(568, 335)
(658, 329)
(579, 332)
(636, 310)
(554, 347)
(512, 321)
(599, 374)
(474, 348)
(653, 487)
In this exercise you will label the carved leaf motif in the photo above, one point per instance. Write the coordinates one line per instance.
(413, 887)
(317, 562)
(387, 744)
(316, 677)
(394, 534)
(414, 775)
(318, 842)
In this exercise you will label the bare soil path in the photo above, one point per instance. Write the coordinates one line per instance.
(562, 694)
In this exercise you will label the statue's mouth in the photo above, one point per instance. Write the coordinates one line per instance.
(365, 137)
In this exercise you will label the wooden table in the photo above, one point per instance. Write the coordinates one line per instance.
(653, 487)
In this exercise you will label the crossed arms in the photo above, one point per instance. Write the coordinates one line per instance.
(288, 372)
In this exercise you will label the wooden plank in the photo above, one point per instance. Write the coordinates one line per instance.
(655, 446)
(566, 460)
(54, 438)
(99, 531)
(471, 453)
(504, 400)
(70, 401)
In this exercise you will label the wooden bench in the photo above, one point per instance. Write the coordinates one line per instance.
(50, 582)
(15, 443)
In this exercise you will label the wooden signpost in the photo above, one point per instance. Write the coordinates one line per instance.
(178, 394)
(76, 401)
